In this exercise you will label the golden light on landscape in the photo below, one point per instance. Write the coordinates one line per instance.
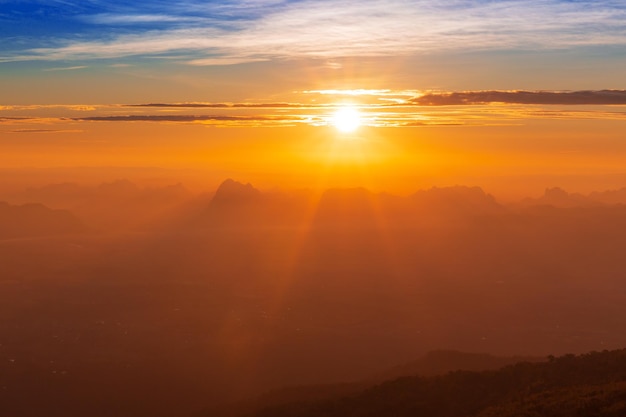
(347, 119)
(302, 208)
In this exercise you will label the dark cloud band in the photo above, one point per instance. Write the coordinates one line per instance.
(181, 118)
(599, 97)
(219, 105)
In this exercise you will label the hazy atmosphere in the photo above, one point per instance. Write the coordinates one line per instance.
(307, 208)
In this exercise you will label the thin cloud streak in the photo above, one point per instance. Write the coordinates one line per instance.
(45, 131)
(77, 67)
(225, 105)
(172, 118)
(205, 62)
(214, 120)
(130, 19)
(486, 115)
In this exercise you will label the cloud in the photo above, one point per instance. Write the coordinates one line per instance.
(333, 65)
(165, 118)
(257, 120)
(219, 105)
(130, 19)
(358, 92)
(205, 62)
(380, 108)
(66, 68)
(577, 115)
(246, 31)
(45, 131)
(13, 119)
(601, 97)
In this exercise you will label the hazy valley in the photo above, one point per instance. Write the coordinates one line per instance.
(122, 300)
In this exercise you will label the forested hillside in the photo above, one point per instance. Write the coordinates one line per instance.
(593, 384)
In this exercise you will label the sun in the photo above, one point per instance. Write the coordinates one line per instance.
(347, 119)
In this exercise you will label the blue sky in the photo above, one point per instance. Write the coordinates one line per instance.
(65, 51)
(213, 33)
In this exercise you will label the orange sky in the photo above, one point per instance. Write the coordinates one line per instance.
(545, 151)
(514, 96)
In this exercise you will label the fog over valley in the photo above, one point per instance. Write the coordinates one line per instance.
(119, 299)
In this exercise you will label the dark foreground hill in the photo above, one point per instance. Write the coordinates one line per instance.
(434, 363)
(441, 362)
(593, 384)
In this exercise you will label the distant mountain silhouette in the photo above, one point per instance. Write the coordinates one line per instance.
(358, 207)
(457, 200)
(610, 196)
(55, 195)
(29, 220)
(115, 205)
(557, 197)
(232, 192)
(118, 188)
(236, 204)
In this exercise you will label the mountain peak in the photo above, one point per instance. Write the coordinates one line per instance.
(231, 191)
(459, 199)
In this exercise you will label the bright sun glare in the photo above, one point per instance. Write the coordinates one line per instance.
(347, 119)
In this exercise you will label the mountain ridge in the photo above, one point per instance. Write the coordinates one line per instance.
(34, 219)
(433, 363)
(546, 389)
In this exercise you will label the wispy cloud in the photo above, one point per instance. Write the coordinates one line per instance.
(253, 31)
(169, 118)
(220, 105)
(35, 107)
(132, 19)
(45, 131)
(13, 119)
(204, 62)
(362, 92)
(77, 67)
(216, 120)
